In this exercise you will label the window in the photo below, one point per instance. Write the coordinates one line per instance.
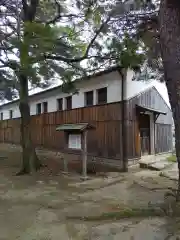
(1, 115)
(102, 95)
(38, 108)
(88, 98)
(60, 104)
(10, 114)
(45, 107)
(69, 102)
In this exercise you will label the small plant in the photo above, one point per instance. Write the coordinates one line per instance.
(172, 158)
(124, 213)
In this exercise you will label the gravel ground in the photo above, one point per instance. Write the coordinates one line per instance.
(43, 206)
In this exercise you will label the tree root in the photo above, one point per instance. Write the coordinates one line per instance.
(25, 172)
(22, 172)
(174, 193)
(40, 165)
(170, 194)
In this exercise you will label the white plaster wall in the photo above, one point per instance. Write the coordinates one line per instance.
(51, 98)
(135, 87)
(13, 107)
(112, 81)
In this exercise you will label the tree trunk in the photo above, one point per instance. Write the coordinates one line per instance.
(30, 160)
(169, 19)
(123, 73)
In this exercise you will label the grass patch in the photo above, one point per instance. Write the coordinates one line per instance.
(172, 158)
(125, 213)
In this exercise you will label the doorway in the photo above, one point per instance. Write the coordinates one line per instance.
(144, 130)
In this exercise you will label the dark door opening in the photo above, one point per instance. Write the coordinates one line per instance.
(144, 128)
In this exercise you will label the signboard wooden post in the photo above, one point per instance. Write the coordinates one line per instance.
(65, 164)
(77, 140)
(84, 156)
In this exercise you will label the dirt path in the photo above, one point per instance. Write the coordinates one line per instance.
(53, 207)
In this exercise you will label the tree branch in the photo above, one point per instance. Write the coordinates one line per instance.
(10, 64)
(32, 10)
(6, 48)
(58, 16)
(68, 16)
(79, 59)
(4, 64)
(25, 7)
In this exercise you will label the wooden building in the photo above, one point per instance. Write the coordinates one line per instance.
(138, 125)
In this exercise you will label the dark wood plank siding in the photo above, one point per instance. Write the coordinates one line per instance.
(163, 138)
(151, 99)
(163, 127)
(104, 141)
(131, 139)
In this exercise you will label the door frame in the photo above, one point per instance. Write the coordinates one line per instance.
(151, 137)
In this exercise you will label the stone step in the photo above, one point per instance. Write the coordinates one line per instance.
(145, 163)
(155, 162)
(171, 172)
(159, 165)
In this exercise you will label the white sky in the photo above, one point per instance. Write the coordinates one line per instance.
(161, 87)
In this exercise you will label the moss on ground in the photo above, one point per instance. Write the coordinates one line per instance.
(172, 158)
(125, 213)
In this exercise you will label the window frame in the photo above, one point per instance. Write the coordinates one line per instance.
(86, 99)
(10, 114)
(98, 90)
(37, 109)
(58, 100)
(45, 107)
(67, 99)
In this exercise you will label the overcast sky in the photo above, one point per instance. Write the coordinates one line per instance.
(161, 87)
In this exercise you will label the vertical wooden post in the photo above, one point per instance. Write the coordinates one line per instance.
(155, 136)
(123, 73)
(84, 156)
(152, 133)
(65, 165)
(137, 139)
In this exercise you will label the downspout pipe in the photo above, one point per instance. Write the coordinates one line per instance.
(123, 73)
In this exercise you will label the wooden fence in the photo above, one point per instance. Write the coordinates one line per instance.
(104, 141)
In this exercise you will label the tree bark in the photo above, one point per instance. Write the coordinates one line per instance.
(30, 160)
(169, 20)
(124, 129)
